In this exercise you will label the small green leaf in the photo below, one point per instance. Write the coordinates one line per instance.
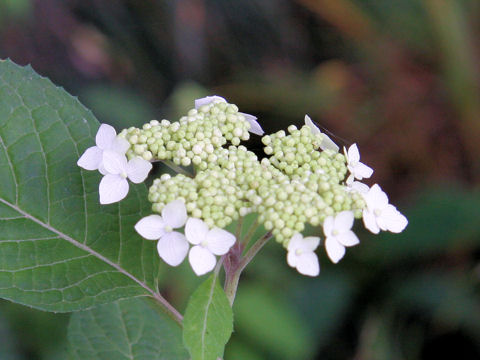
(60, 250)
(124, 330)
(208, 321)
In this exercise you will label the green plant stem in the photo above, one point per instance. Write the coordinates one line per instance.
(238, 231)
(176, 168)
(236, 264)
(251, 232)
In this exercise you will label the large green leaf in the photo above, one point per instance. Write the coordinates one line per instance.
(208, 321)
(124, 330)
(59, 249)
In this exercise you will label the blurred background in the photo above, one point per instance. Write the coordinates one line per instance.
(398, 77)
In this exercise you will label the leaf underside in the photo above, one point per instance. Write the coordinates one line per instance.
(208, 321)
(59, 249)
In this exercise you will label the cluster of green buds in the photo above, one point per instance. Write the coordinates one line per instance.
(302, 179)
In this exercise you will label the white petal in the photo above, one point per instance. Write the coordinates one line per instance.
(376, 198)
(295, 242)
(344, 221)
(120, 145)
(172, 248)
(328, 225)
(328, 144)
(307, 264)
(348, 238)
(359, 187)
(335, 250)
(138, 169)
(175, 214)
(219, 241)
(255, 127)
(112, 188)
(151, 227)
(196, 231)
(101, 168)
(310, 243)
(114, 162)
(353, 154)
(91, 158)
(201, 260)
(370, 221)
(311, 125)
(292, 258)
(392, 220)
(350, 179)
(207, 100)
(105, 136)
(363, 171)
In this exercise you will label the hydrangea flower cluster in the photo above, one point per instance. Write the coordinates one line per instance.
(303, 179)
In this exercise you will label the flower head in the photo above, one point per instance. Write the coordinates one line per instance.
(357, 169)
(255, 127)
(207, 243)
(338, 234)
(379, 214)
(106, 139)
(327, 143)
(172, 246)
(301, 254)
(114, 185)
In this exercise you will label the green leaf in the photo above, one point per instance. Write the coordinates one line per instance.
(208, 321)
(124, 330)
(60, 250)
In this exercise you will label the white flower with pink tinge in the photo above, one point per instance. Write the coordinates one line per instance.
(106, 139)
(338, 234)
(255, 127)
(379, 214)
(301, 254)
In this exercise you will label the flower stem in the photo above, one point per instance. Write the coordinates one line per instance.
(251, 232)
(176, 168)
(235, 263)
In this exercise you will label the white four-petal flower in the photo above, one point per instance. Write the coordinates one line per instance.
(106, 139)
(301, 254)
(172, 246)
(338, 234)
(327, 143)
(379, 214)
(357, 169)
(255, 127)
(207, 243)
(114, 185)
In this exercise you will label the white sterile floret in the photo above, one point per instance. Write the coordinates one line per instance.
(357, 169)
(106, 139)
(327, 143)
(114, 185)
(207, 100)
(172, 246)
(358, 187)
(255, 127)
(338, 234)
(207, 243)
(301, 254)
(379, 214)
